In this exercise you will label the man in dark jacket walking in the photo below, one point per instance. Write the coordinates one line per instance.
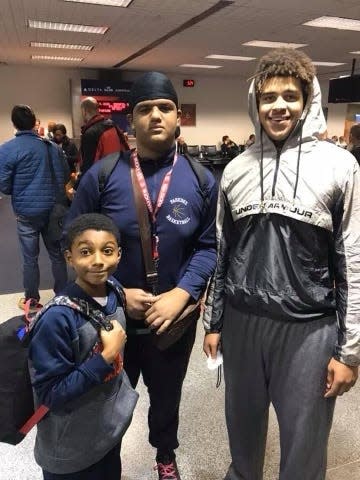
(25, 175)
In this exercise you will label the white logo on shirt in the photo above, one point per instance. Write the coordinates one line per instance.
(179, 214)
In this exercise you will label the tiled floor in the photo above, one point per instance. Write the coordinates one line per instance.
(203, 454)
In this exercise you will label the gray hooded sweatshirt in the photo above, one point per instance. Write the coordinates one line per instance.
(288, 232)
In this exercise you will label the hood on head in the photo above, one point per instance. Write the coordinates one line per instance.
(312, 117)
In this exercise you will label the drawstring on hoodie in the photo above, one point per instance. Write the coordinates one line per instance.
(262, 170)
(298, 162)
(262, 200)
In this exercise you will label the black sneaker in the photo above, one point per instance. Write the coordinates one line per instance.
(167, 471)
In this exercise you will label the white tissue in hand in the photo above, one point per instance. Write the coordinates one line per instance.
(213, 363)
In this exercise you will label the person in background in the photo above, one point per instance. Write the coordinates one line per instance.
(250, 141)
(342, 142)
(354, 141)
(26, 176)
(181, 146)
(50, 130)
(285, 295)
(228, 147)
(38, 128)
(68, 146)
(335, 139)
(323, 136)
(183, 236)
(77, 370)
(99, 136)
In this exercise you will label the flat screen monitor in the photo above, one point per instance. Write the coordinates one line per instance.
(344, 90)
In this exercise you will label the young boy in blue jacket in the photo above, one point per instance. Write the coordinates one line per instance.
(77, 369)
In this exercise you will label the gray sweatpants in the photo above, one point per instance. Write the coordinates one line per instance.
(286, 364)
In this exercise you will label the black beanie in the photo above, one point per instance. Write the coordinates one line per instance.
(151, 86)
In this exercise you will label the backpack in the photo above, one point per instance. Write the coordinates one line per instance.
(16, 397)
(110, 161)
(17, 413)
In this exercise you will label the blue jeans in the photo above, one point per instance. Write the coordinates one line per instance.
(29, 230)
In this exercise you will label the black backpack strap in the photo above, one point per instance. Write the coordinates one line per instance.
(201, 175)
(108, 164)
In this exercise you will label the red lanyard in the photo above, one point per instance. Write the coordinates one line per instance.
(163, 189)
(160, 199)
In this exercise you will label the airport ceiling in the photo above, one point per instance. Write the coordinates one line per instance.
(163, 34)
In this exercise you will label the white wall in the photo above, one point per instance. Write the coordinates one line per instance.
(54, 94)
(221, 109)
(45, 89)
(221, 102)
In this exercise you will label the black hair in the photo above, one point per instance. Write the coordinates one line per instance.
(355, 131)
(225, 137)
(61, 127)
(23, 117)
(90, 221)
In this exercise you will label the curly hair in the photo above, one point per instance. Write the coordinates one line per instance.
(285, 62)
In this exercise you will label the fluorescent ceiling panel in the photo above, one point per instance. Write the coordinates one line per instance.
(334, 22)
(328, 64)
(110, 3)
(56, 58)
(230, 57)
(67, 27)
(193, 65)
(268, 44)
(355, 53)
(61, 45)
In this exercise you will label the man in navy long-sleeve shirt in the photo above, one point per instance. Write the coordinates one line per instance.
(182, 225)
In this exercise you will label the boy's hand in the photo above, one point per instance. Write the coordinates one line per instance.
(340, 378)
(137, 302)
(113, 341)
(211, 344)
(166, 307)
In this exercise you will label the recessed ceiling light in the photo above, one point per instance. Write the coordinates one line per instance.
(192, 65)
(328, 64)
(231, 57)
(268, 44)
(67, 27)
(52, 57)
(110, 3)
(334, 22)
(61, 45)
(355, 53)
